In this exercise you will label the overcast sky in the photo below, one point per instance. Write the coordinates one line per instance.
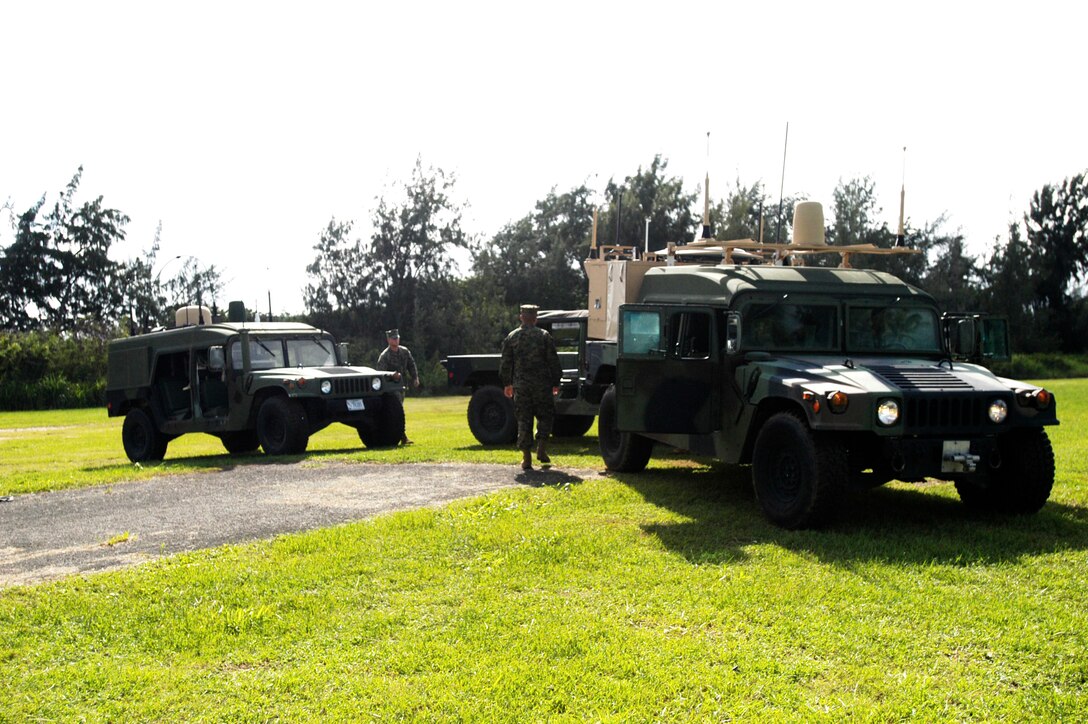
(244, 127)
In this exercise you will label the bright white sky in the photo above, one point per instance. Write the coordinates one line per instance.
(244, 127)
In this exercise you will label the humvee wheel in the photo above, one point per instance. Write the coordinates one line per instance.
(282, 427)
(624, 452)
(798, 477)
(1021, 484)
(388, 427)
(238, 443)
(491, 416)
(572, 425)
(142, 440)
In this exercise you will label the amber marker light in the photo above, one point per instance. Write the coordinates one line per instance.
(838, 401)
(811, 399)
(1043, 399)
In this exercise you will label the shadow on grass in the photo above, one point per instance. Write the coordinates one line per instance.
(547, 478)
(913, 525)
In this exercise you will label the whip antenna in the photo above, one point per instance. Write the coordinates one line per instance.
(706, 192)
(899, 238)
(782, 185)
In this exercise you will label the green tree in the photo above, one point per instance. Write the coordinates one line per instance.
(194, 284)
(742, 213)
(649, 193)
(1056, 225)
(538, 258)
(413, 244)
(57, 273)
(336, 282)
(1007, 290)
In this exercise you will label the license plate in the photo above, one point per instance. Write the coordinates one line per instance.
(355, 405)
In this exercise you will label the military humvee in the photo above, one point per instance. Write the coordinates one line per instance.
(266, 384)
(822, 379)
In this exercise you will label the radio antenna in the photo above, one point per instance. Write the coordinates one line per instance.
(782, 185)
(901, 236)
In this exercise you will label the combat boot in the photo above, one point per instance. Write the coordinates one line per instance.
(526, 460)
(542, 453)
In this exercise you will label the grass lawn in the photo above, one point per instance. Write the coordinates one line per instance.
(658, 596)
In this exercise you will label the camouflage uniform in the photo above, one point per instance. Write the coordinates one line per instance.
(399, 360)
(531, 364)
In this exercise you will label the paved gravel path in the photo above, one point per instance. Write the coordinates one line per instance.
(51, 535)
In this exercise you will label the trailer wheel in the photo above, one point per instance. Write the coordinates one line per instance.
(624, 452)
(387, 428)
(798, 476)
(491, 416)
(572, 425)
(282, 427)
(142, 440)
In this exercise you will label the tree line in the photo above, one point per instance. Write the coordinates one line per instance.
(57, 276)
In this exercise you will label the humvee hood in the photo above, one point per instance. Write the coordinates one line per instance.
(879, 375)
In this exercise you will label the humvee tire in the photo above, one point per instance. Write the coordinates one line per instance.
(572, 425)
(798, 476)
(282, 427)
(241, 442)
(491, 416)
(389, 429)
(1022, 483)
(141, 439)
(624, 452)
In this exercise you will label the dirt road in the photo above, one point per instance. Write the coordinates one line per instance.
(51, 535)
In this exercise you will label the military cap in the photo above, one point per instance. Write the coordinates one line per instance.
(529, 309)
(392, 333)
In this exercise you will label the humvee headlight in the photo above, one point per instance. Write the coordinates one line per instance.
(998, 411)
(887, 412)
(376, 384)
(326, 387)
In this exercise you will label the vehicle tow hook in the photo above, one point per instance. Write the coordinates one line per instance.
(965, 462)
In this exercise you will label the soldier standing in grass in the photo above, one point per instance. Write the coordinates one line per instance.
(530, 373)
(399, 360)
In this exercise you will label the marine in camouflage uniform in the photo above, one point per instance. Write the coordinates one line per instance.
(530, 371)
(396, 358)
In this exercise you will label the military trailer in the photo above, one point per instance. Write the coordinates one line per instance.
(821, 379)
(267, 385)
(491, 413)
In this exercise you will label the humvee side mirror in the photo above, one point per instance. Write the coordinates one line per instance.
(961, 335)
(732, 333)
(217, 360)
(343, 353)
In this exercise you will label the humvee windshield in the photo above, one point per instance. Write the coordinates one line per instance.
(892, 329)
(270, 353)
(795, 327)
(566, 336)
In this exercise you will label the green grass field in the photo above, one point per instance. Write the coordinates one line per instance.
(659, 596)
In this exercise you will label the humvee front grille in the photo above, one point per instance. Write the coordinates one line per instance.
(351, 386)
(947, 412)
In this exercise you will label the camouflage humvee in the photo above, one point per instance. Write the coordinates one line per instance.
(270, 385)
(822, 379)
